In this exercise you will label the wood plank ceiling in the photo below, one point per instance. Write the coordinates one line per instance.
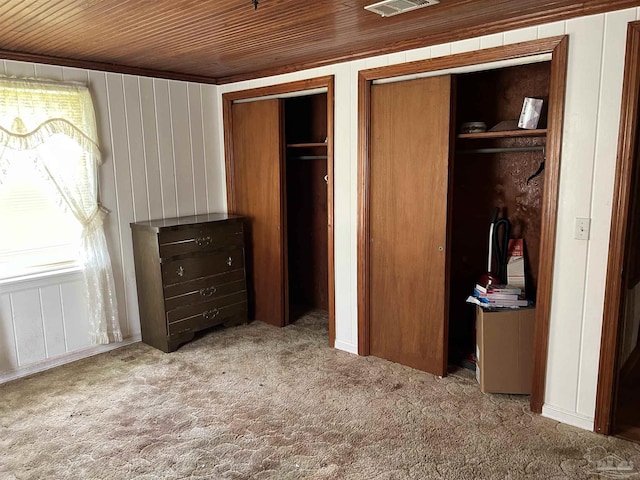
(225, 41)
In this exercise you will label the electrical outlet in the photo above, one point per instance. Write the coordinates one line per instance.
(582, 228)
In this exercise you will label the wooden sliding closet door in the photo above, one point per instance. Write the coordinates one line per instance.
(409, 165)
(257, 180)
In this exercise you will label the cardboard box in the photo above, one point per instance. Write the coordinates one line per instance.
(504, 350)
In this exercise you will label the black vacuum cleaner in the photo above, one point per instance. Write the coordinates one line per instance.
(499, 233)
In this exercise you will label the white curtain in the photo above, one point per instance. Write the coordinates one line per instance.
(56, 124)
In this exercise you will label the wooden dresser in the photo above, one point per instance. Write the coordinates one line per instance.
(190, 276)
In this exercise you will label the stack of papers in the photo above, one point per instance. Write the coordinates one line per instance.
(498, 296)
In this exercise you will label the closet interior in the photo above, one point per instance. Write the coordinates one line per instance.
(501, 168)
(305, 127)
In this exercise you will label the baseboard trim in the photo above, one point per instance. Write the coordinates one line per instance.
(570, 418)
(21, 372)
(346, 347)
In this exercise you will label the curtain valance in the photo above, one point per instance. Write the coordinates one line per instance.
(32, 111)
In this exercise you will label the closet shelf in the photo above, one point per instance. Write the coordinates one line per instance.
(541, 132)
(306, 145)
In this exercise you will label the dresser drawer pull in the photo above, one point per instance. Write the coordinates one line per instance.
(207, 292)
(209, 314)
(229, 261)
(180, 271)
(203, 241)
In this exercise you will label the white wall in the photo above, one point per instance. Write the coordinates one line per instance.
(594, 86)
(159, 145)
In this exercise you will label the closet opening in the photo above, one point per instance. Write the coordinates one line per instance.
(427, 195)
(279, 172)
(500, 170)
(305, 121)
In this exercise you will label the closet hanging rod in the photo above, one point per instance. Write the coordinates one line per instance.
(502, 150)
(309, 157)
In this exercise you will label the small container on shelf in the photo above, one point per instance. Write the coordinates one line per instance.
(473, 127)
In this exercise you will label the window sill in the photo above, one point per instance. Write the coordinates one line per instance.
(41, 279)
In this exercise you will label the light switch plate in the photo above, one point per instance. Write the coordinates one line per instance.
(583, 225)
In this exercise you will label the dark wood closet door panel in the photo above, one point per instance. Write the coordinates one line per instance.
(257, 180)
(410, 142)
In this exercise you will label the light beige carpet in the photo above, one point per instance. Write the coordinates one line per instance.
(258, 402)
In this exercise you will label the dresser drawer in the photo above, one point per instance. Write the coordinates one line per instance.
(204, 289)
(199, 322)
(202, 308)
(199, 238)
(191, 268)
(205, 313)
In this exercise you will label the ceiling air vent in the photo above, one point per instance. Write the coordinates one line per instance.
(388, 8)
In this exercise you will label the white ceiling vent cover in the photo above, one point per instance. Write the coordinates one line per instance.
(388, 8)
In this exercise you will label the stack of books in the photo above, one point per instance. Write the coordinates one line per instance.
(498, 296)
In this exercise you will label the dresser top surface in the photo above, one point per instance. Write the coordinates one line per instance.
(182, 221)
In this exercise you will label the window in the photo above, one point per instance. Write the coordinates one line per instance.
(39, 232)
(49, 211)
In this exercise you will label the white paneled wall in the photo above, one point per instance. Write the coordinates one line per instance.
(159, 148)
(40, 320)
(594, 86)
